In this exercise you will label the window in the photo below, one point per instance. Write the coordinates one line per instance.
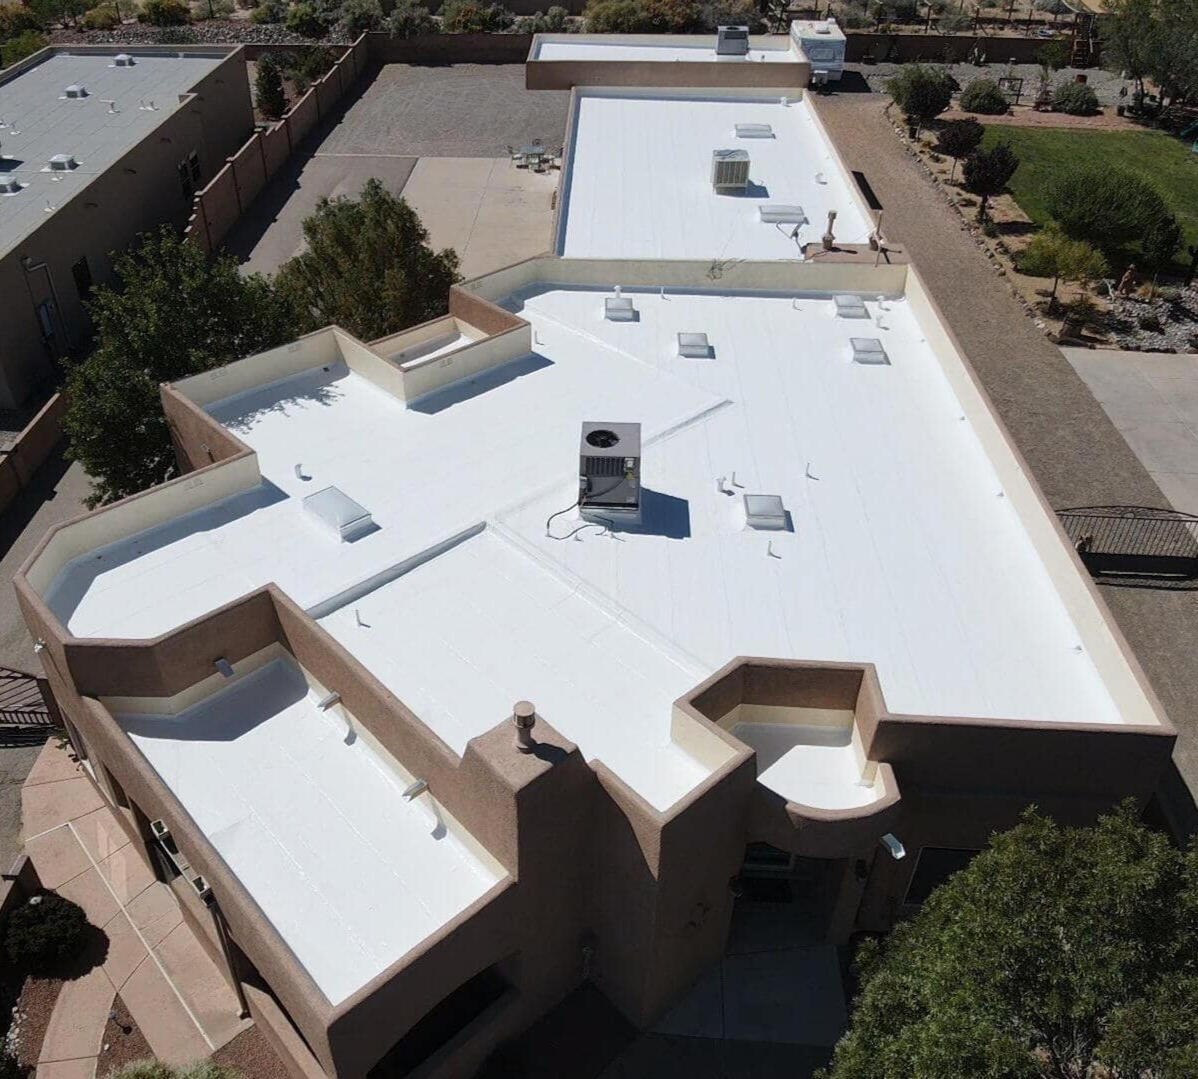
(761, 858)
(45, 318)
(186, 184)
(193, 166)
(443, 1023)
(82, 273)
(934, 867)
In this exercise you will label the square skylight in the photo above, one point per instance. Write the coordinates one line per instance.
(333, 508)
(765, 512)
(619, 309)
(694, 346)
(850, 306)
(868, 350)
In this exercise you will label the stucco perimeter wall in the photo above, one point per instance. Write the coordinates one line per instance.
(20, 461)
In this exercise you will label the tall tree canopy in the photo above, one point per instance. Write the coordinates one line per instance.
(174, 312)
(367, 268)
(1059, 952)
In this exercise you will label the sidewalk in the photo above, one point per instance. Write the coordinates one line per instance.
(173, 991)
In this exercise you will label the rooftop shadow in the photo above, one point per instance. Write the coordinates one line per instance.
(477, 385)
(661, 515)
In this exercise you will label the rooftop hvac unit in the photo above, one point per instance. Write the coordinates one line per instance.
(123, 59)
(609, 471)
(10, 185)
(76, 90)
(63, 163)
(732, 41)
(754, 131)
(337, 511)
(869, 350)
(780, 214)
(850, 306)
(729, 170)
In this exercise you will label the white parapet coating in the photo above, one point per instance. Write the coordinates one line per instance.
(639, 185)
(312, 822)
(671, 50)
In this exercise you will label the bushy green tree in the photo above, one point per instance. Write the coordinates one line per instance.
(475, 17)
(367, 267)
(16, 19)
(958, 139)
(24, 44)
(410, 20)
(987, 173)
(1128, 30)
(306, 20)
(268, 87)
(1053, 254)
(923, 93)
(1075, 98)
(1103, 205)
(1160, 242)
(358, 16)
(984, 97)
(173, 312)
(642, 16)
(1058, 952)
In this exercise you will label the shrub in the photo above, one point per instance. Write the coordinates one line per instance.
(15, 19)
(716, 13)
(1102, 205)
(155, 1069)
(164, 12)
(305, 20)
(854, 18)
(269, 11)
(1052, 254)
(475, 17)
(641, 16)
(1075, 98)
(24, 44)
(984, 97)
(45, 932)
(358, 16)
(955, 24)
(410, 20)
(921, 92)
(959, 138)
(268, 87)
(103, 17)
(10, 1066)
(306, 67)
(987, 172)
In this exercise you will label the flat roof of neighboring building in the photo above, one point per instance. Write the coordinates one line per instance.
(123, 105)
(312, 821)
(578, 47)
(639, 178)
(903, 551)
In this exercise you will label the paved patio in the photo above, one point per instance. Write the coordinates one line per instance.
(172, 989)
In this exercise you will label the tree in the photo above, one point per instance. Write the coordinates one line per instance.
(987, 172)
(1052, 254)
(923, 93)
(1128, 30)
(958, 139)
(984, 96)
(1058, 952)
(174, 312)
(1103, 205)
(1160, 242)
(268, 87)
(368, 267)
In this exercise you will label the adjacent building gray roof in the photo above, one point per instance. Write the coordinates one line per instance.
(38, 121)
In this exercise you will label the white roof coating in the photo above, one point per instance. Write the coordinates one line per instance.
(314, 825)
(582, 49)
(38, 121)
(638, 181)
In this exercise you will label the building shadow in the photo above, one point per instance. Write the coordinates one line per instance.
(661, 515)
(476, 385)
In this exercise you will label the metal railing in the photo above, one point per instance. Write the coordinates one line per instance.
(1134, 540)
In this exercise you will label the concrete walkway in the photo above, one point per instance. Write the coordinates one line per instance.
(175, 994)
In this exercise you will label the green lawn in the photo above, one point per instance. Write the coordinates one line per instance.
(1164, 161)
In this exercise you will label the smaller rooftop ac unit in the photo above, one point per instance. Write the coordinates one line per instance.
(76, 90)
(729, 170)
(63, 163)
(732, 41)
(123, 59)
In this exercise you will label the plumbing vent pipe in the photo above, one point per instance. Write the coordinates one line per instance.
(524, 715)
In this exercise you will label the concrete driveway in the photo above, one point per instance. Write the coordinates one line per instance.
(1152, 398)
(437, 135)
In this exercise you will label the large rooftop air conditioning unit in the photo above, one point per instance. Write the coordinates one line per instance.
(609, 472)
(729, 170)
(732, 41)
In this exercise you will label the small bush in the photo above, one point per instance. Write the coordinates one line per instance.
(358, 16)
(10, 1066)
(103, 17)
(983, 96)
(1075, 98)
(15, 19)
(959, 138)
(269, 11)
(955, 24)
(24, 44)
(155, 1069)
(921, 92)
(641, 16)
(45, 932)
(716, 13)
(475, 17)
(305, 20)
(164, 12)
(410, 20)
(854, 18)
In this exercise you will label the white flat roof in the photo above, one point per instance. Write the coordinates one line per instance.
(700, 51)
(638, 182)
(314, 825)
(903, 551)
(38, 121)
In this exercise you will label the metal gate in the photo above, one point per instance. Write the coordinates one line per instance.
(1134, 541)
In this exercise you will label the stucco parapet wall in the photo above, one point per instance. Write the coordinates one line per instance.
(564, 74)
(9, 73)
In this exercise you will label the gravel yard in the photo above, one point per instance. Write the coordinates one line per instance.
(1105, 84)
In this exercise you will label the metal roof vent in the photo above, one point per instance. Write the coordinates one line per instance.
(618, 308)
(694, 346)
(850, 306)
(63, 163)
(754, 131)
(824, 28)
(76, 89)
(766, 512)
(869, 350)
(729, 170)
(780, 214)
(732, 41)
(10, 185)
(123, 59)
(337, 511)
